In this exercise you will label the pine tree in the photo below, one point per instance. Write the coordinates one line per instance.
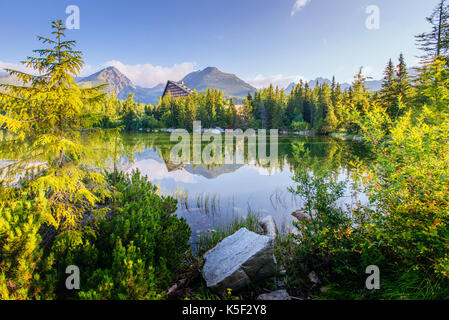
(388, 91)
(247, 112)
(109, 111)
(44, 120)
(337, 102)
(331, 122)
(358, 94)
(402, 85)
(129, 113)
(436, 42)
(308, 105)
(389, 74)
(323, 106)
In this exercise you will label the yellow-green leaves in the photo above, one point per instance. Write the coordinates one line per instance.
(47, 121)
(20, 221)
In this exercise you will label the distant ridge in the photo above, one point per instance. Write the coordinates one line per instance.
(210, 77)
(122, 85)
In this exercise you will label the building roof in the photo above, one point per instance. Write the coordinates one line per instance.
(180, 85)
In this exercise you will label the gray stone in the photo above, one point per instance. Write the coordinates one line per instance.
(269, 226)
(313, 277)
(238, 260)
(275, 295)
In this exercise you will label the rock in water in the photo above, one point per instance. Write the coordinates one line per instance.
(269, 226)
(238, 260)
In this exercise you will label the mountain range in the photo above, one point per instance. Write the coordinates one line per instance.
(210, 77)
(122, 85)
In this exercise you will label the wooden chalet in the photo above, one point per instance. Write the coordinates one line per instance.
(177, 89)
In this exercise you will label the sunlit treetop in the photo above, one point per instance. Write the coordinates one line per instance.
(45, 121)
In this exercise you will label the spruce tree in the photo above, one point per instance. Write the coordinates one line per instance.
(331, 122)
(402, 85)
(436, 42)
(359, 95)
(44, 122)
(388, 91)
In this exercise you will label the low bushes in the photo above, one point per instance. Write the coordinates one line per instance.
(133, 252)
(404, 230)
(21, 217)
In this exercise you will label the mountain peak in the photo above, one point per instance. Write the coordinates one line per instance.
(112, 76)
(211, 69)
(111, 69)
(213, 78)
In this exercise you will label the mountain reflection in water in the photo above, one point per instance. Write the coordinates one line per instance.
(211, 196)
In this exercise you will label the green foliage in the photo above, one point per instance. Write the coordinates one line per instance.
(299, 126)
(395, 89)
(433, 85)
(318, 245)
(404, 230)
(134, 253)
(375, 122)
(131, 114)
(44, 121)
(330, 122)
(21, 217)
(410, 185)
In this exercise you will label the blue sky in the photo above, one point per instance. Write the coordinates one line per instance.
(260, 41)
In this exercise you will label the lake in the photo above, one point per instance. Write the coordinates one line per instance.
(210, 196)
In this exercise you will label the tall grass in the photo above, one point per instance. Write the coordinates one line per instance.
(209, 239)
(208, 204)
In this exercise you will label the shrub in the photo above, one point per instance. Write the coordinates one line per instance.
(133, 253)
(21, 217)
(404, 231)
(299, 126)
(321, 227)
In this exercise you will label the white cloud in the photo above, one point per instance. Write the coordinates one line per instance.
(87, 70)
(372, 73)
(279, 80)
(299, 4)
(147, 75)
(156, 170)
(15, 66)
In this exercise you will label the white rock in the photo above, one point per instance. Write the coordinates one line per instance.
(269, 226)
(313, 277)
(238, 260)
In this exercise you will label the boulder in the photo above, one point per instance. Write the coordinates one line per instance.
(269, 226)
(275, 295)
(313, 277)
(238, 260)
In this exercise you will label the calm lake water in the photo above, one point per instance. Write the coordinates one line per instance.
(211, 196)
